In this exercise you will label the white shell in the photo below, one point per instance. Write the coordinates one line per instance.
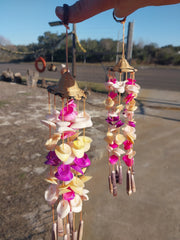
(133, 88)
(56, 112)
(113, 114)
(109, 148)
(118, 151)
(129, 129)
(120, 87)
(64, 129)
(85, 197)
(49, 123)
(76, 204)
(63, 208)
(70, 160)
(83, 120)
(51, 117)
(62, 123)
(51, 194)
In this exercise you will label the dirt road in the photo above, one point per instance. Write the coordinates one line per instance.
(151, 213)
(148, 77)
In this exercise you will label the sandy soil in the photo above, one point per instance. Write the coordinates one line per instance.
(151, 213)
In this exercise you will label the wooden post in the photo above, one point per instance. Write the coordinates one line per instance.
(129, 46)
(74, 51)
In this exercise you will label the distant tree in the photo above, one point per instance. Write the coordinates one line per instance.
(4, 41)
(165, 55)
(48, 43)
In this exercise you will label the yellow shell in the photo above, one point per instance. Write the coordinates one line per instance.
(119, 139)
(77, 182)
(85, 139)
(64, 190)
(73, 137)
(130, 138)
(131, 154)
(109, 138)
(120, 107)
(78, 144)
(77, 190)
(84, 170)
(131, 108)
(63, 152)
(79, 153)
(85, 178)
(52, 142)
(109, 103)
(52, 180)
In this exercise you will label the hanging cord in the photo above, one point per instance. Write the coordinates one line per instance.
(66, 48)
(65, 22)
(123, 40)
(123, 20)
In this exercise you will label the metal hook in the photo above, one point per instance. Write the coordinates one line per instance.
(119, 20)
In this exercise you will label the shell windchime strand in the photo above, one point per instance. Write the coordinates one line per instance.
(121, 134)
(67, 157)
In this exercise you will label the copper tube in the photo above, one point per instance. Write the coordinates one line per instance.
(128, 183)
(70, 221)
(120, 175)
(67, 228)
(133, 185)
(113, 179)
(60, 227)
(80, 230)
(110, 184)
(65, 237)
(75, 235)
(54, 231)
(117, 174)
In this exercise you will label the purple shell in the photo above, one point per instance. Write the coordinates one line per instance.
(64, 173)
(83, 162)
(52, 159)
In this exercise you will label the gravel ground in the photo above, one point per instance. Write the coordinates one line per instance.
(151, 213)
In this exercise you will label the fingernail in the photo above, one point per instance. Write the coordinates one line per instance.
(59, 12)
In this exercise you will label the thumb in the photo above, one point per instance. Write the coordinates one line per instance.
(84, 9)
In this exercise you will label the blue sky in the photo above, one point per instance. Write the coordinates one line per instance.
(23, 21)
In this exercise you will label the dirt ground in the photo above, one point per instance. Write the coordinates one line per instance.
(162, 78)
(153, 213)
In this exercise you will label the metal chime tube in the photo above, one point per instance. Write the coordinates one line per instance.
(120, 175)
(80, 230)
(54, 231)
(60, 227)
(128, 183)
(113, 179)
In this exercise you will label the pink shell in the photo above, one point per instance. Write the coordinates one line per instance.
(128, 161)
(113, 159)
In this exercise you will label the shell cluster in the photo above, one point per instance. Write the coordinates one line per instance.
(68, 160)
(121, 132)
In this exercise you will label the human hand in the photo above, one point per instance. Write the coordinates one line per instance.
(84, 9)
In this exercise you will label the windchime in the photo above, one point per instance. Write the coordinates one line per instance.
(121, 133)
(67, 157)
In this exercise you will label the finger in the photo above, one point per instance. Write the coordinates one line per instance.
(85, 9)
(125, 8)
